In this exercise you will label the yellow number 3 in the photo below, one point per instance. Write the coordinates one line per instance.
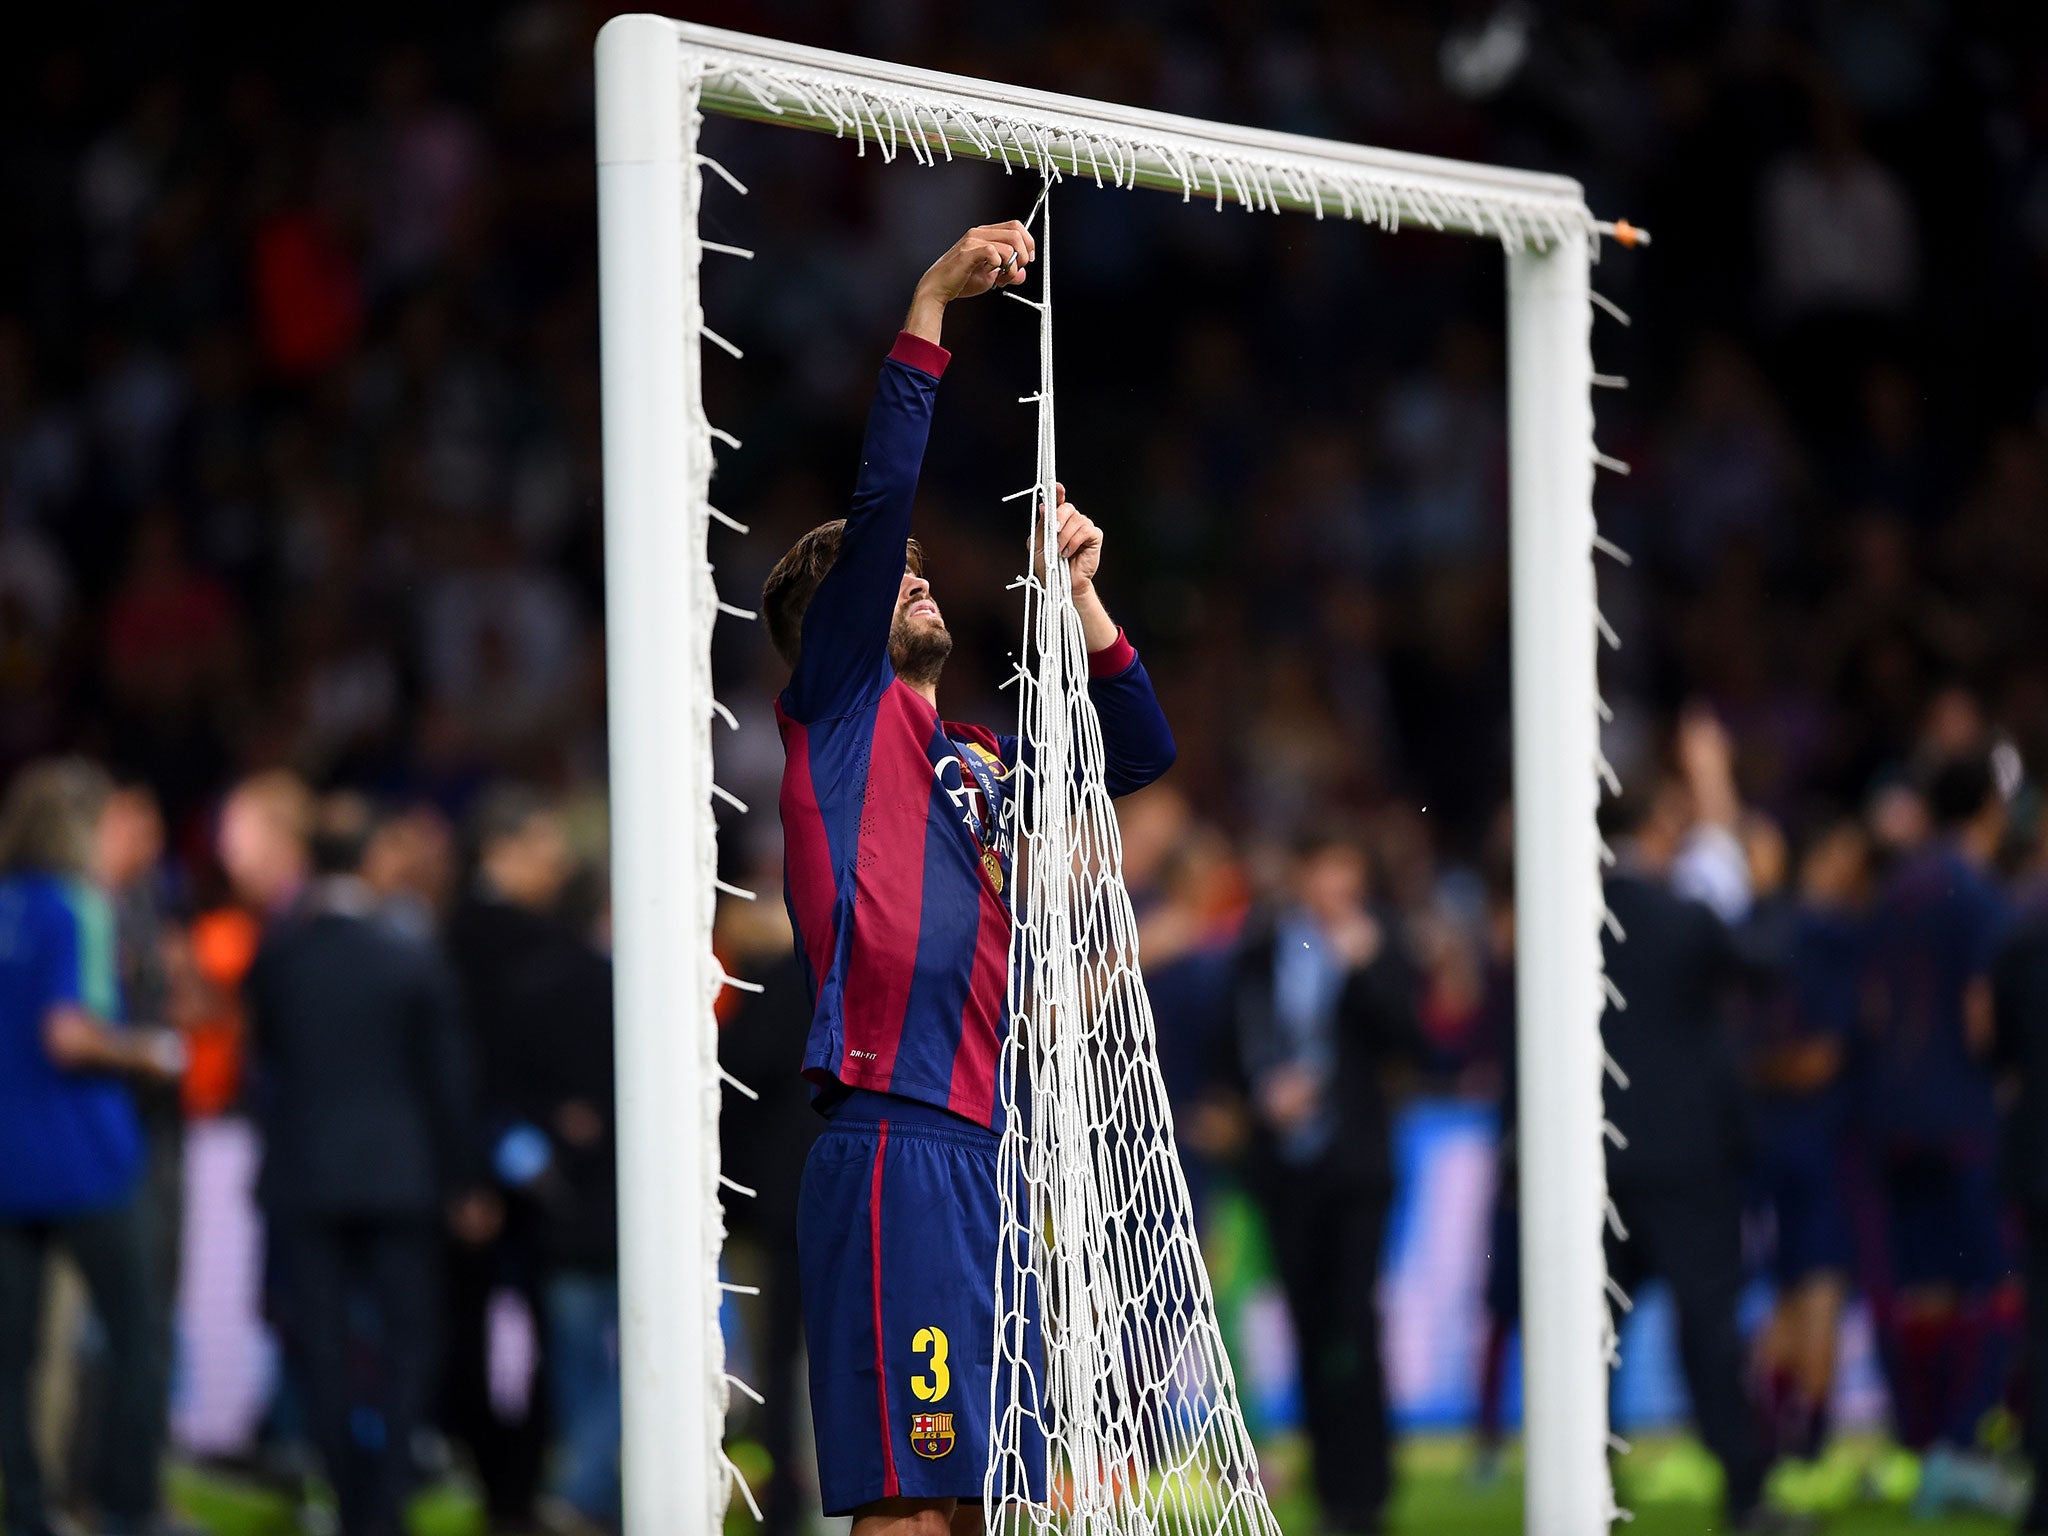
(929, 1389)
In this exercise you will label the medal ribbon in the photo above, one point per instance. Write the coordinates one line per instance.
(988, 823)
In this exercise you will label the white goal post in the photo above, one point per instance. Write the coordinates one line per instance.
(654, 78)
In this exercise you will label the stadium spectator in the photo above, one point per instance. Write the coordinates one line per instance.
(1676, 1173)
(36, 601)
(171, 655)
(1187, 935)
(1503, 1295)
(266, 823)
(506, 920)
(1838, 225)
(410, 863)
(424, 165)
(1323, 1004)
(126, 857)
(363, 1095)
(70, 1388)
(558, 1037)
(71, 1147)
(762, 1144)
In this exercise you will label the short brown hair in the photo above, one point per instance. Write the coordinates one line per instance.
(787, 592)
(282, 799)
(505, 811)
(51, 814)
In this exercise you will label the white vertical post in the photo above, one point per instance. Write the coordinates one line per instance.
(1563, 1179)
(658, 616)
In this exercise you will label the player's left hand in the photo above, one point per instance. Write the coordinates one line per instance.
(1080, 542)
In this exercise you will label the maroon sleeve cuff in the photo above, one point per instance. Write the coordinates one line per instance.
(1113, 658)
(925, 356)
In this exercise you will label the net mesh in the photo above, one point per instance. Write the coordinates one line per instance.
(1112, 1389)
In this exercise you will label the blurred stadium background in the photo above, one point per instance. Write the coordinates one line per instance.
(300, 534)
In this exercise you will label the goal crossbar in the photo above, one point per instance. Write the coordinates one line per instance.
(656, 77)
(932, 113)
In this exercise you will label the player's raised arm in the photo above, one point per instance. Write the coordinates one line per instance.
(987, 256)
(829, 602)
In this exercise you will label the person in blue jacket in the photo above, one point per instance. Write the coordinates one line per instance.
(71, 1147)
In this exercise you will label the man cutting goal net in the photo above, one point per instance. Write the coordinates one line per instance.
(898, 847)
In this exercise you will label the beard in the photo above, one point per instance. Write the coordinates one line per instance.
(918, 652)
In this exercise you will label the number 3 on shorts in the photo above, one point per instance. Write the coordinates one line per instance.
(929, 1389)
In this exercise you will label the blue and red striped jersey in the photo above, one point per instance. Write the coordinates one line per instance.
(892, 869)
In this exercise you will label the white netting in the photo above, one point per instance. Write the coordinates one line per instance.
(1112, 1391)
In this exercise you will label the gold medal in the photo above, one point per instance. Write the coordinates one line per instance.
(992, 866)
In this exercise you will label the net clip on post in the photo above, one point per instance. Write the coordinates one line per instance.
(745, 1390)
(740, 1482)
(1613, 1069)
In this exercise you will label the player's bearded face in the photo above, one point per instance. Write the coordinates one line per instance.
(919, 642)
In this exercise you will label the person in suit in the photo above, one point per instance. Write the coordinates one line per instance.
(506, 924)
(127, 855)
(1676, 1175)
(561, 1071)
(362, 1096)
(1323, 1002)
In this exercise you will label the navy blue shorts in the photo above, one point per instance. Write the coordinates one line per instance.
(1802, 1181)
(898, 1227)
(1945, 1220)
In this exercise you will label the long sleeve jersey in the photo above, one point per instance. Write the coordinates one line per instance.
(895, 859)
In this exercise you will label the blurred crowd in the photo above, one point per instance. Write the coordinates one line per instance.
(300, 538)
(1826, 1057)
(417, 1022)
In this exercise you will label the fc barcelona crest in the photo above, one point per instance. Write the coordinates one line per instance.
(931, 1434)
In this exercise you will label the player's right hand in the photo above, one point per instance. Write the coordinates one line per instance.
(987, 256)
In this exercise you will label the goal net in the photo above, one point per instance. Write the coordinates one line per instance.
(1110, 1366)
(1112, 1389)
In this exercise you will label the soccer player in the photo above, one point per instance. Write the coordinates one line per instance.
(1932, 1107)
(897, 853)
(2020, 1014)
(1802, 1026)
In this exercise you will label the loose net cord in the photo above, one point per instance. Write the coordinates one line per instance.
(1112, 1387)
